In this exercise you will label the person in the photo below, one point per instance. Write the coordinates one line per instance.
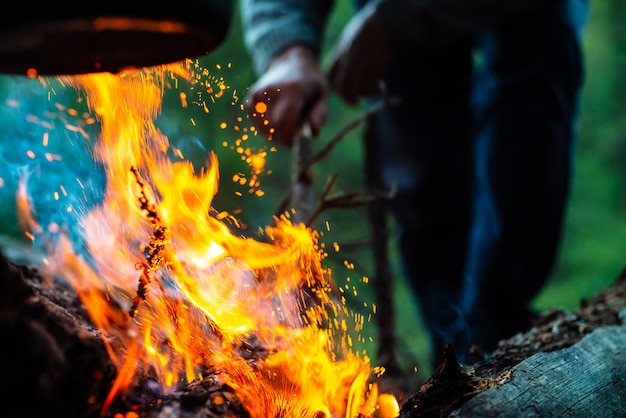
(479, 148)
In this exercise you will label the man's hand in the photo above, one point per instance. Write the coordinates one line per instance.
(360, 57)
(293, 91)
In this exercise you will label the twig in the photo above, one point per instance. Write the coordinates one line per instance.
(352, 124)
(345, 200)
(302, 189)
(155, 249)
(156, 257)
(383, 279)
(302, 169)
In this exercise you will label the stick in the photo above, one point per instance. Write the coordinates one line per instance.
(302, 190)
(303, 160)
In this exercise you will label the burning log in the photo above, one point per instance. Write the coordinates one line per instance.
(54, 356)
(51, 354)
(568, 363)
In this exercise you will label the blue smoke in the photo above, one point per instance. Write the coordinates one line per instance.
(46, 135)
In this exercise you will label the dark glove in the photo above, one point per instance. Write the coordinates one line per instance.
(360, 58)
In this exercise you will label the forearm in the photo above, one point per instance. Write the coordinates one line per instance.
(272, 25)
(436, 22)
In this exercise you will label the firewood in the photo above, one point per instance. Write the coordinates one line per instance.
(567, 364)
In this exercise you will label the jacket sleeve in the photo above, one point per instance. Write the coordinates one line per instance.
(269, 26)
(436, 22)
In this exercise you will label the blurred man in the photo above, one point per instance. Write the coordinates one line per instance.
(479, 149)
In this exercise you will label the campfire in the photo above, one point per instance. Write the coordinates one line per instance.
(177, 293)
(130, 294)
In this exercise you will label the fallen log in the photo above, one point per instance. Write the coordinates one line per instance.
(584, 380)
(569, 364)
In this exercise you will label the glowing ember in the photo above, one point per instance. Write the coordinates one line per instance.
(260, 107)
(178, 292)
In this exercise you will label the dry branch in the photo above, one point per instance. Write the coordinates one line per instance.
(301, 193)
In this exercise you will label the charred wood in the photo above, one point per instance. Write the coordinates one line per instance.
(570, 363)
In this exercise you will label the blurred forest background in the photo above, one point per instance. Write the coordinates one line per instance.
(593, 251)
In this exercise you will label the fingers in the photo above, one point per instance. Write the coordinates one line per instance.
(317, 116)
(339, 81)
(293, 90)
(272, 115)
(360, 59)
(278, 114)
(284, 116)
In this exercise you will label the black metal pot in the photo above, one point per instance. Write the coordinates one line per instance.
(76, 37)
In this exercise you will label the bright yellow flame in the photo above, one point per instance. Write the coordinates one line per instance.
(181, 293)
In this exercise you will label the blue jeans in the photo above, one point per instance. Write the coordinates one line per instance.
(480, 152)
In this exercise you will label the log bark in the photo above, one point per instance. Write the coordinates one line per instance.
(585, 380)
(569, 364)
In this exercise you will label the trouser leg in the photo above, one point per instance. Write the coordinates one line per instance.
(427, 158)
(526, 99)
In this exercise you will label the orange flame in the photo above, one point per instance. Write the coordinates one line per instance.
(177, 291)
